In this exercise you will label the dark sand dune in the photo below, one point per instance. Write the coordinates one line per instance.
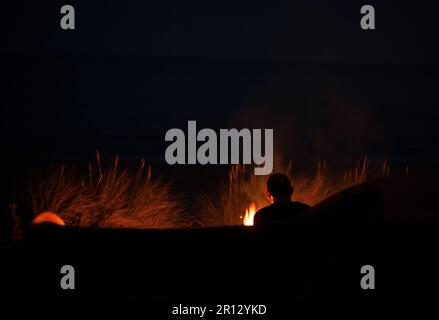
(383, 223)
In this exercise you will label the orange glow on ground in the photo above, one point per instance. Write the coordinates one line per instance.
(48, 217)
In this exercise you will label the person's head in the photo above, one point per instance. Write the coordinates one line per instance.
(279, 188)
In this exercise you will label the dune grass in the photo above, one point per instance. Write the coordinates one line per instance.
(243, 188)
(107, 196)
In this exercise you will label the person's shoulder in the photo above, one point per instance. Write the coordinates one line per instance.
(300, 205)
(263, 214)
(264, 210)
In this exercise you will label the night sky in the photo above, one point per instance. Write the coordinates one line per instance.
(134, 69)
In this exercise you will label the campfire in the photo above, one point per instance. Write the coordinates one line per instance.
(244, 192)
(249, 215)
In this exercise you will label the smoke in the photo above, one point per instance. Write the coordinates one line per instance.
(335, 129)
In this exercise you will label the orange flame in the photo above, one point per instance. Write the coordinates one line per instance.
(249, 215)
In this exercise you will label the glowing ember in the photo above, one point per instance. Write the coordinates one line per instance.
(48, 217)
(249, 215)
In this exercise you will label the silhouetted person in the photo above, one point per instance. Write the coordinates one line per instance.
(279, 192)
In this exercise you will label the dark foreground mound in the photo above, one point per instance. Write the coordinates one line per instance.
(389, 224)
